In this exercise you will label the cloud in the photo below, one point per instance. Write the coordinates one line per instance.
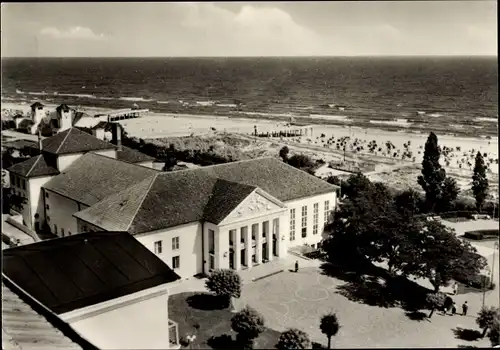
(71, 33)
(250, 31)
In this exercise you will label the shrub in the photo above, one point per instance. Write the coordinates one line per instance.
(329, 326)
(487, 317)
(293, 338)
(224, 283)
(478, 281)
(248, 323)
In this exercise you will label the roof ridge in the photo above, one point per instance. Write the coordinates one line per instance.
(122, 161)
(36, 161)
(64, 140)
(153, 180)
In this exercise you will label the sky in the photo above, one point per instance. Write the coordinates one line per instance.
(225, 29)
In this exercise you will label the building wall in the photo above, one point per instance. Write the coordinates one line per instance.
(134, 324)
(65, 120)
(310, 239)
(111, 153)
(190, 247)
(60, 212)
(65, 160)
(84, 226)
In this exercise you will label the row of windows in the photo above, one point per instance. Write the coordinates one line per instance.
(16, 181)
(158, 245)
(327, 213)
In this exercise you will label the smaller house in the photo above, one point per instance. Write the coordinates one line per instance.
(106, 285)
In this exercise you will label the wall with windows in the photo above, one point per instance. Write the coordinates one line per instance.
(179, 247)
(312, 224)
(20, 187)
(59, 212)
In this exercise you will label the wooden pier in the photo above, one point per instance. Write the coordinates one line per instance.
(121, 114)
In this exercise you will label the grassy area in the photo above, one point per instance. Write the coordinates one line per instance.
(199, 314)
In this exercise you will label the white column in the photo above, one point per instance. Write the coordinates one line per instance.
(248, 247)
(217, 249)
(206, 254)
(237, 249)
(269, 240)
(284, 235)
(258, 245)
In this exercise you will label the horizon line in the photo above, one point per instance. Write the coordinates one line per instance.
(272, 56)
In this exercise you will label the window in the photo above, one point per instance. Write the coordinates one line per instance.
(292, 224)
(176, 262)
(175, 243)
(304, 221)
(62, 231)
(327, 212)
(276, 228)
(232, 237)
(265, 229)
(158, 247)
(23, 182)
(315, 218)
(47, 207)
(211, 241)
(69, 233)
(46, 194)
(55, 229)
(84, 228)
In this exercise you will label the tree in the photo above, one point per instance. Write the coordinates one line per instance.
(170, 157)
(486, 318)
(11, 200)
(494, 334)
(301, 161)
(284, 151)
(356, 185)
(440, 256)
(449, 193)
(248, 324)
(479, 182)
(329, 326)
(225, 283)
(408, 202)
(433, 175)
(293, 338)
(435, 301)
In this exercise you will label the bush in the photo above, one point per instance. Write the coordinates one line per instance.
(474, 235)
(293, 339)
(481, 234)
(477, 281)
(225, 283)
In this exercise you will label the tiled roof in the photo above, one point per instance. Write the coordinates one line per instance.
(36, 104)
(24, 328)
(33, 167)
(74, 140)
(19, 144)
(167, 200)
(275, 177)
(63, 107)
(92, 177)
(132, 156)
(74, 272)
(210, 193)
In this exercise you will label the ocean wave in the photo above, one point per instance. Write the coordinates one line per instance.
(267, 114)
(43, 93)
(398, 122)
(435, 115)
(206, 103)
(106, 98)
(487, 119)
(231, 105)
(136, 99)
(341, 118)
(163, 102)
(19, 91)
(78, 95)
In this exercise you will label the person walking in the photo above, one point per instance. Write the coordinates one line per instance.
(296, 266)
(465, 307)
(455, 288)
(454, 309)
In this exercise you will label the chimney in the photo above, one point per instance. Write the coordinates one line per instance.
(40, 141)
(117, 135)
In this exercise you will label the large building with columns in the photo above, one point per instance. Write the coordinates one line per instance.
(235, 215)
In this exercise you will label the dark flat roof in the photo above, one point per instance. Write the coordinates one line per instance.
(74, 272)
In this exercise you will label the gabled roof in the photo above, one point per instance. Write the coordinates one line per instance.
(130, 155)
(63, 107)
(19, 144)
(25, 328)
(167, 200)
(33, 167)
(272, 175)
(93, 177)
(74, 140)
(74, 272)
(36, 105)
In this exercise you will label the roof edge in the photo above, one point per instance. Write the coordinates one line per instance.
(51, 317)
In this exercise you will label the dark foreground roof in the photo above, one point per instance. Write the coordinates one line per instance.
(33, 167)
(273, 176)
(19, 144)
(74, 140)
(92, 177)
(74, 272)
(167, 200)
(27, 325)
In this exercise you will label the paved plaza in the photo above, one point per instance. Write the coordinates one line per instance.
(300, 299)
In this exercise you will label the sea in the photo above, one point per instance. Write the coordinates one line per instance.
(424, 90)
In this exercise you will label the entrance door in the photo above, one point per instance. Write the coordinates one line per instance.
(243, 259)
(275, 253)
(231, 260)
(264, 251)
